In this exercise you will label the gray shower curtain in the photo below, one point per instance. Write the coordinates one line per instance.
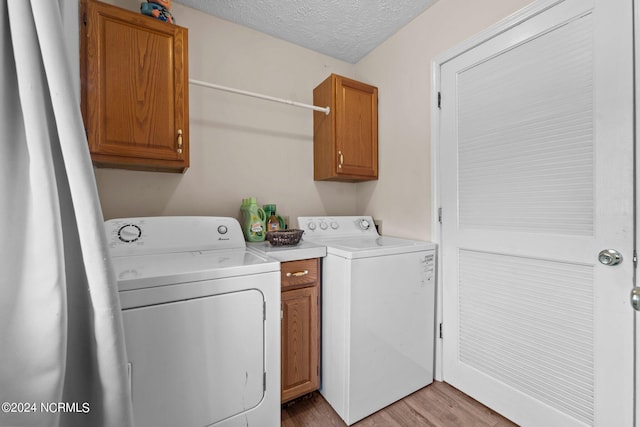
(62, 355)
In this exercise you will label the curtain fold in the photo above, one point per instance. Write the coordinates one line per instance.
(62, 354)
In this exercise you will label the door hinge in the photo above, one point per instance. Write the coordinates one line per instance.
(264, 381)
(264, 310)
(440, 215)
(635, 259)
(439, 100)
(440, 330)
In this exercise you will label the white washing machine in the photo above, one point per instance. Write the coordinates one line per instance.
(378, 314)
(201, 321)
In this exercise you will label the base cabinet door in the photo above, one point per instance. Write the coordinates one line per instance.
(300, 355)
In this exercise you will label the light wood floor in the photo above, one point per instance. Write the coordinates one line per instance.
(437, 405)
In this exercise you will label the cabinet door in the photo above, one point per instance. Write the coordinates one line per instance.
(300, 367)
(135, 93)
(345, 142)
(356, 129)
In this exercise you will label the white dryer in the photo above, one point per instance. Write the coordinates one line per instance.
(201, 321)
(378, 314)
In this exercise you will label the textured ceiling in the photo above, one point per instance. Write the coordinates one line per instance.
(343, 29)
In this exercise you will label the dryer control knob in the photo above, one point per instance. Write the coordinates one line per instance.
(364, 224)
(323, 225)
(129, 233)
(222, 229)
(335, 225)
(312, 226)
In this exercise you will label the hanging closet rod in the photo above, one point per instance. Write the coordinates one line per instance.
(325, 110)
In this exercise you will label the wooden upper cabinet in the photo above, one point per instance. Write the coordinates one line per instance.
(345, 142)
(135, 78)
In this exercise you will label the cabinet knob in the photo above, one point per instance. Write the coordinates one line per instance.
(179, 150)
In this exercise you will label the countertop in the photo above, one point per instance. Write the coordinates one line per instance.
(303, 250)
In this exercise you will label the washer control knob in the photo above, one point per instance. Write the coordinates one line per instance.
(129, 233)
(323, 225)
(312, 226)
(335, 225)
(364, 224)
(222, 229)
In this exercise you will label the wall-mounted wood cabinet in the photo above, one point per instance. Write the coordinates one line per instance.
(135, 102)
(345, 142)
(300, 354)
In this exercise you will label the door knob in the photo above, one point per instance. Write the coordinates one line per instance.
(635, 298)
(610, 257)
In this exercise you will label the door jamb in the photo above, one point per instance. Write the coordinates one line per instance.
(636, 132)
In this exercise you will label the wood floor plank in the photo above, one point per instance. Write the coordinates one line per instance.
(437, 405)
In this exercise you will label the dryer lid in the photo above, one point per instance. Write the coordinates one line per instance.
(158, 251)
(146, 271)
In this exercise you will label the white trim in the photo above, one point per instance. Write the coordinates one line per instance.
(435, 205)
(636, 56)
(500, 27)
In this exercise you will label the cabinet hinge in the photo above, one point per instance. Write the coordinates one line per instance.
(84, 18)
(440, 330)
(440, 215)
(439, 100)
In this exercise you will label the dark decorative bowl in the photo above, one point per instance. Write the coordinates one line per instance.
(284, 237)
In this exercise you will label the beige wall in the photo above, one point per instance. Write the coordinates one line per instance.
(240, 146)
(401, 68)
(244, 147)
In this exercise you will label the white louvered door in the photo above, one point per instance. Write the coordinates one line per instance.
(536, 153)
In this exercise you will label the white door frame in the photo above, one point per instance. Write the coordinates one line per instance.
(500, 27)
(636, 32)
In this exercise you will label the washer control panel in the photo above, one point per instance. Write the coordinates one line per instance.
(327, 226)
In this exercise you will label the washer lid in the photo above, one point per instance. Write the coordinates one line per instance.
(364, 247)
(147, 271)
